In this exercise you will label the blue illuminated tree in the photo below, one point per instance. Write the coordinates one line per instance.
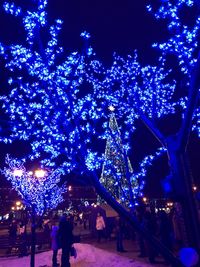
(47, 105)
(167, 89)
(44, 93)
(50, 105)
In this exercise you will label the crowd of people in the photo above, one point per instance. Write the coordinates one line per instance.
(167, 227)
(164, 226)
(115, 228)
(60, 233)
(17, 229)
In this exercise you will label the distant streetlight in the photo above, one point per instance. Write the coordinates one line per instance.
(144, 199)
(194, 188)
(18, 206)
(18, 203)
(70, 188)
(170, 204)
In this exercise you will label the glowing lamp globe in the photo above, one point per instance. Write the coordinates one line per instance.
(18, 172)
(40, 173)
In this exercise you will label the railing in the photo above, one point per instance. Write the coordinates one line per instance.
(21, 244)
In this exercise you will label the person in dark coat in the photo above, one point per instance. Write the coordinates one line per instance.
(23, 238)
(141, 242)
(165, 231)
(12, 235)
(65, 237)
(119, 227)
(150, 223)
(54, 244)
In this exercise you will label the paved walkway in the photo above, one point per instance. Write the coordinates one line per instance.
(130, 246)
(88, 255)
(110, 245)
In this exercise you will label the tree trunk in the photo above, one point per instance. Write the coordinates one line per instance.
(129, 217)
(182, 193)
(33, 226)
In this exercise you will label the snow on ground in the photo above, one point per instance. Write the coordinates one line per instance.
(87, 256)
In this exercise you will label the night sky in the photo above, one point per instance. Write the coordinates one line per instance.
(115, 26)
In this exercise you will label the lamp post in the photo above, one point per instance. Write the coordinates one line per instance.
(39, 173)
(40, 190)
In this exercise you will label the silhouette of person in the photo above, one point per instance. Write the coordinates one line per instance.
(100, 225)
(119, 227)
(12, 235)
(54, 244)
(66, 239)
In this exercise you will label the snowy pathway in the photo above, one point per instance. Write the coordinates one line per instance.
(87, 256)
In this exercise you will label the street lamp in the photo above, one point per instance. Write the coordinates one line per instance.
(194, 188)
(70, 188)
(170, 204)
(18, 203)
(40, 173)
(18, 172)
(144, 200)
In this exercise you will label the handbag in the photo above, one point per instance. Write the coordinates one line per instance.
(73, 252)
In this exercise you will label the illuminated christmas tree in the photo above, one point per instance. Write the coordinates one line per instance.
(115, 172)
(118, 176)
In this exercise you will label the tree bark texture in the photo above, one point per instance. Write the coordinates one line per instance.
(33, 237)
(182, 192)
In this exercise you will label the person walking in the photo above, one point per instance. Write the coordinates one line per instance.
(178, 227)
(141, 242)
(54, 244)
(12, 235)
(22, 238)
(150, 223)
(66, 240)
(100, 226)
(165, 231)
(119, 227)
